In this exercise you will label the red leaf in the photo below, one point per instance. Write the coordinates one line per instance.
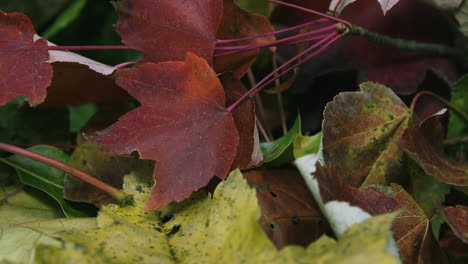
(249, 153)
(238, 23)
(182, 124)
(167, 29)
(22, 60)
(78, 80)
(401, 70)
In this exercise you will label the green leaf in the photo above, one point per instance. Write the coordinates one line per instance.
(20, 124)
(28, 219)
(257, 7)
(80, 115)
(65, 18)
(273, 150)
(458, 127)
(45, 177)
(222, 228)
(305, 145)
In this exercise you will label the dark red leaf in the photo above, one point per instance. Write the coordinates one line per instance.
(401, 70)
(289, 212)
(78, 80)
(249, 153)
(238, 23)
(166, 30)
(182, 124)
(23, 61)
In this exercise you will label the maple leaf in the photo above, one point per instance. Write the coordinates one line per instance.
(166, 30)
(23, 60)
(289, 212)
(411, 227)
(218, 228)
(79, 80)
(424, 145)
(236, 24)
(249, 153)
(359, 130)
(403, 71)
(457, 219)
(182, 124)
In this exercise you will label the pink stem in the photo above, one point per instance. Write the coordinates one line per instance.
(223, 41)
(242, 48)
(88, 47)
(265, 81)
(124, 64)
(335, 36)
(313, 12)
(113, 192)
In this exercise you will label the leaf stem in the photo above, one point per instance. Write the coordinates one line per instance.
(327, 41)
(117, 194)
(224, 41)
(124, 64)
(456, 141)
(443, 100)
(436, 49)
(88, 47)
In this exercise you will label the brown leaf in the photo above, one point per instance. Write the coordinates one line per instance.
(289, 212)
(423, 143)
(411, 228)
(359, 130)
(457, 218)
(78, 80)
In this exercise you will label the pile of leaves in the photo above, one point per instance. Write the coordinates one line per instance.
(356, 152)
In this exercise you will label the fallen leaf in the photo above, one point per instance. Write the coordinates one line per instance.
(457, 218)
(44, 177)
(290, 215)
(304, 145)
(206, 229)
(166, 30)
(359, 133)
(249, 153)
(284, 145)
(411, 228)
(423, 144)
(101, 164)
(23, 60)
(78, 80)
(238, 23)
(182, 124)
(403, 71)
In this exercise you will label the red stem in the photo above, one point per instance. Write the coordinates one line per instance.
(53, 145)
(88, 47)
(117, 194)
(223, 41)
(288, 40)
(266, 81)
